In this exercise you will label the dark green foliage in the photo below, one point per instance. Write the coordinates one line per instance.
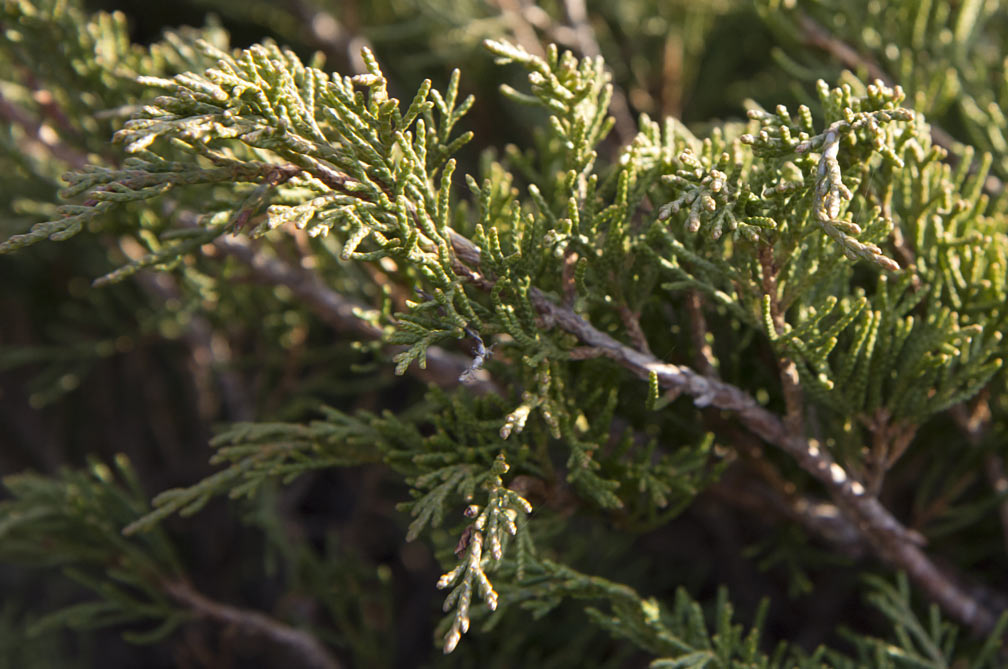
(74, 522)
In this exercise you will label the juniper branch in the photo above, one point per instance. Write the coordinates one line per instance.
(891, 540)
(342, 313)
(421, 221)
(208, 352)
(336, 309)
(816, 35)
(703, 354)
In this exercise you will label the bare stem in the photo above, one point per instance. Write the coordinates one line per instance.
(340, 312)
(794, 400)
(706, 363)
(299, 642)
(631, 321)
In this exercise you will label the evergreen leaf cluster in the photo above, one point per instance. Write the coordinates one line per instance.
(549, 364)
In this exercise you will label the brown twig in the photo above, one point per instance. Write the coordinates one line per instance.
(817, 36)
(340, 312)
(631, 321)
(703, 358)
(671, 93)
(794, 400)
(301, 643)
(890, 441)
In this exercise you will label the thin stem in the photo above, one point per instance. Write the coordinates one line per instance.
(340, 312)
(704, 358)
(631, 321)
(301, 643)
(890, 440)
(794, 400)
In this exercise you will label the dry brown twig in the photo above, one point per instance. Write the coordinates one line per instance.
(302, 644)
(704, 358)
(794, 400)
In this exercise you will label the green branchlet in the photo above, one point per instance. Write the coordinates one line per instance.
(766, 224)
(492, 525)
(74, 521)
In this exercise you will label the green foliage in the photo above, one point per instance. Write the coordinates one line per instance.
(828, 279)
(681, 632)
(74, 522)
(949, 57)
(492, 524)
(257, 453)
(916, 642)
